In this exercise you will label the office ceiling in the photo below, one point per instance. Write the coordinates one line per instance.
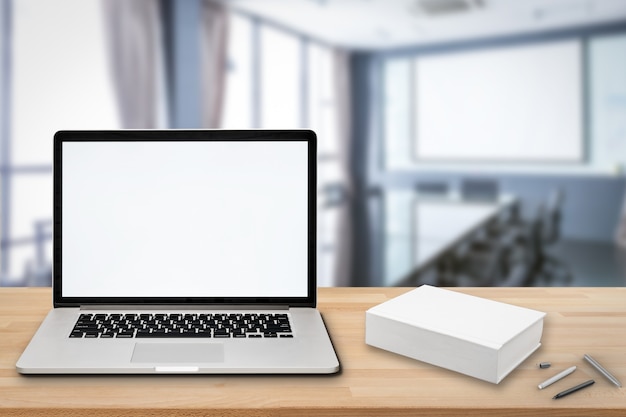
(385, 24)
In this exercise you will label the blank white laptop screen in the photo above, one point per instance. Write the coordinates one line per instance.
(184, 219)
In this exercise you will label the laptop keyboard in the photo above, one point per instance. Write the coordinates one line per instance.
(182, 325)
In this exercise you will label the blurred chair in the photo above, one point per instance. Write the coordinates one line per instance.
(524, 255)
(481, 259)
(479, 190)
(552, 217)
(496, 261)
(532, 241)
(506, 254)
(513, 252)
(432, 189)
(551, 268)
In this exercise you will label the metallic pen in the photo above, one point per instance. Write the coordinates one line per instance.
(556, 377)
(601, 369)
(574, 389)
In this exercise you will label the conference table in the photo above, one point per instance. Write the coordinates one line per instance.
(421, 229)
(372, 382)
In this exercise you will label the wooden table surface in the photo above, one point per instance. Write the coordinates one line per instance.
(372, 381)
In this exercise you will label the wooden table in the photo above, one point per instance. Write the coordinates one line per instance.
(372, 381)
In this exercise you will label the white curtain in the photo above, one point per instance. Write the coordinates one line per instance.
(343, 272)
(214, 43)
(133, 33)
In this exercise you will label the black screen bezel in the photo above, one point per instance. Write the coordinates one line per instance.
(303, 135)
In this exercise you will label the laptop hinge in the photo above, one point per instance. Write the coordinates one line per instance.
(182, 307)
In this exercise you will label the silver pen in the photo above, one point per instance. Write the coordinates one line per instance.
(556, 377)
(603, 371)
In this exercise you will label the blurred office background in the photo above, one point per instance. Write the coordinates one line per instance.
(461, 142)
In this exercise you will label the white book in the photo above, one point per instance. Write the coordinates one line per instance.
(475, 336)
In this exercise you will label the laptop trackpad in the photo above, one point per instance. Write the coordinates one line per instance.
(178, 352)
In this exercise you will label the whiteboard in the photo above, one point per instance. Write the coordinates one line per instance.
(520, 103)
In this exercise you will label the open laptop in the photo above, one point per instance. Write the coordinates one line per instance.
(183, 251)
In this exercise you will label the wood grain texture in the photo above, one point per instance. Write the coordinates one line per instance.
(372, 381)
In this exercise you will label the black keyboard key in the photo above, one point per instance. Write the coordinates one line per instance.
(276, 329)
(144, 333)
(181, 325)
(86, 326)
(192, 335)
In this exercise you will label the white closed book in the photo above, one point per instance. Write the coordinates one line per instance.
(475, 336)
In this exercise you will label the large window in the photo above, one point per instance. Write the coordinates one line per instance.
(322, 118)
(238, 104)
(608, 100)
(278, 79)
(59, 80)
(280, 71)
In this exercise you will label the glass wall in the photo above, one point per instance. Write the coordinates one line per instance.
(279, 79)
(59, 80)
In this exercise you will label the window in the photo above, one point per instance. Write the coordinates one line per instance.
(59, 80)
(60, 75)
(322, 111)
(238, 98)
(280, 88)
(397, 109)
(322, 118)
(280, 80)
(608, 100)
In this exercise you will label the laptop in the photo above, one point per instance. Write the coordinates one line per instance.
(183, 252)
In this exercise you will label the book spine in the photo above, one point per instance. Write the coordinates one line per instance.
(435, 348)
